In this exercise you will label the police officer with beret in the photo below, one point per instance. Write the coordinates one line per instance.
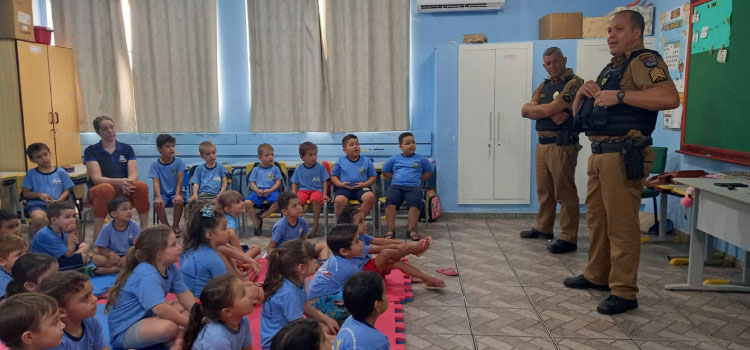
(618, 114)
(556, 152)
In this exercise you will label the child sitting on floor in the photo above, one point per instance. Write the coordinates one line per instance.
(30, 321)
(11, 248)
(353, 216)
(302, 334)
(210, 179)
(139, 316)
(43, 185)
(407, 170)
(231, 202)
(293, 225)
(265, 181)
(53, 239)
(29, 271)
(74, 295)
(288, 266)
(168, 174)
(10, 224)
(115, 238)
(220, 320)
(309, 181)
(204, 258)
(365, 298)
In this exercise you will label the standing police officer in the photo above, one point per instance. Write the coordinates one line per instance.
(618, 113)
(556, 153)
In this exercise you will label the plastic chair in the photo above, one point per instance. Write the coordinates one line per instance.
(265, 206)
(651, 192)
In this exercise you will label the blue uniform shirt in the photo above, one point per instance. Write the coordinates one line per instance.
(167, 174)
(200, 265)
(407, 171)
(355, 335)
(144, 289)
(118, 241)
(232, 224)
(283, 231)
(330, 278)
(91, 339)
(217, 336)
(53, 183)
(4, 280)
(49, 242)
(284, 306)
(209, 180)
(114, 165)
(310, 179)
(265, 178)
(353, 171)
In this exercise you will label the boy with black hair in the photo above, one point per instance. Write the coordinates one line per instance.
(293, 225)
(53, 239)
(43, 185)
(74, 295)
(168, 174)
(365, 298)
(10, 224)
(353, 176)
(30, 321)
(115, 238)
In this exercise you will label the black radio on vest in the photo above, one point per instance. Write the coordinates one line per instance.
(615, 120)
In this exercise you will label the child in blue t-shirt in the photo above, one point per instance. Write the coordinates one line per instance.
(220, 320)
(265, 182)
(42, 185)
(30, 321)
(137, 305)
(168, 173)
(353, 176)
(210, 179)
(53, 239)
(309, 181)
(288, 266)
(74, 295)
(232, 203)
(207, 254)
(116, 237)
(11, 248)
(293, 225)
(407, 170)
(365, 299)
(302, 334)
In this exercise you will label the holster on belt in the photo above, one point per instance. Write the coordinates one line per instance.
(633, 158)
(566, 137)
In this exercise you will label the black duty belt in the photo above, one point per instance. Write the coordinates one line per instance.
(616, 147)
(547, 139)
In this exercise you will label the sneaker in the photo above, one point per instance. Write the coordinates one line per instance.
(259, 230)
(614, 305)
(562, 247)
(580, 282)
(536, 234)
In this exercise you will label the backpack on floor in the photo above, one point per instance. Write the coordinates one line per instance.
(434, 210)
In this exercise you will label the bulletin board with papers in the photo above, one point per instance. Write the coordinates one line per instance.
(674, 25)
(715, 121)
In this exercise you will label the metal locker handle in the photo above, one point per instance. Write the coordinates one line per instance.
(57, 118)
(489, 145)
(497, 123)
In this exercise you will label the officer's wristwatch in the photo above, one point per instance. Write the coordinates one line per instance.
(621, 96)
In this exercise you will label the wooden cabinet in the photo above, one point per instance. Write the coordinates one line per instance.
(494, 141)
(38, 103)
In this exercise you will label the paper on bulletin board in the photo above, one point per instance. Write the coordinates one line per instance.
(674, 40)
(673, 118)
(712, 26)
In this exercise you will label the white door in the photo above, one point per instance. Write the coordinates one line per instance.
(476, 106)
(512, 141)
(593, 56)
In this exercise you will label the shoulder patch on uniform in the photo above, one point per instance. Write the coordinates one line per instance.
(649, 61)
(657, 75)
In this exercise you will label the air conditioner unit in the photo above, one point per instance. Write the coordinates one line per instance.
(437, 6)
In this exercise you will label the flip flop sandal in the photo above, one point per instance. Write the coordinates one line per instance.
(389, 235)
(448, 271)
(414, 236)
(426, 244)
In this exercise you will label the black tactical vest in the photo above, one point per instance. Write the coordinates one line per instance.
(548, 91)
(615, 120)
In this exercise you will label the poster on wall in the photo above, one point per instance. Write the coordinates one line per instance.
(674, 44)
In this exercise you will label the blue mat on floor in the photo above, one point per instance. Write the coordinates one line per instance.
(103, 283)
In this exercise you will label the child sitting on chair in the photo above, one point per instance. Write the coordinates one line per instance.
(115, 239)
(353, 176)
(168, 173)
(309, 181)
(407, 170)
(54, 240)
(42, 185)
(265, 181)
(210, 179)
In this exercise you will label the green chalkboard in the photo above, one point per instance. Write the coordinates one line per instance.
(717, 118)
